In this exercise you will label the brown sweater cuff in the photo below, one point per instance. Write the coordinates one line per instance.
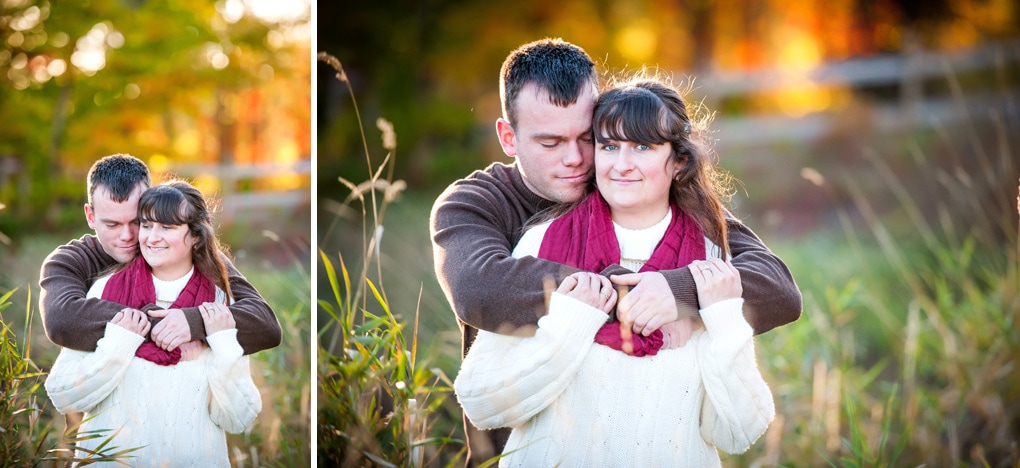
(195, 323)
(681, 282)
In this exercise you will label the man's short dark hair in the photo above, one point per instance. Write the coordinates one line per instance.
(120, 174)
(559, 67)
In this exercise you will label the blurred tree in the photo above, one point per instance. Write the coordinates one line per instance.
(431, 67)
(83, 79)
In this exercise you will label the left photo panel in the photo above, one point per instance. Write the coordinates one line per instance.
(155, 233)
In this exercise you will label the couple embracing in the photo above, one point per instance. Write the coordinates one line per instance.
(154, 321)
(642, 353)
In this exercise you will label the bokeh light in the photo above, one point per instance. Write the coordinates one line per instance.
(90, 50)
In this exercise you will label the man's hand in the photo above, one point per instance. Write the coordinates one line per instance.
(132, 320)
(172, 331)
(676, 333)
(648, 305)
(192, 350)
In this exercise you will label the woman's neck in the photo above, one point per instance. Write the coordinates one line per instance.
(639, 219)
(171, 273)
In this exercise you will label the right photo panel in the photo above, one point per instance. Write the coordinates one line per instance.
(717, 233)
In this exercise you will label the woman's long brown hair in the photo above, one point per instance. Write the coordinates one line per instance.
(177, 202)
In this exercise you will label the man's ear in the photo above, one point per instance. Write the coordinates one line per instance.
(507, 137)
(90, 216)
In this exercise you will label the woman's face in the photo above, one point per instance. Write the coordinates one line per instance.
(166, 248)
(635, 179)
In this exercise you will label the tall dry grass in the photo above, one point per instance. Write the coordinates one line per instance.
(27, 438)
(377, 397)
(912, 358)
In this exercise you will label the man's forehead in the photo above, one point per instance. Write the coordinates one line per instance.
(113, 211)
(102, 192)
(107, 209)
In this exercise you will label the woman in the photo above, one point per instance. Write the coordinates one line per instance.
(174, 411)
(577, 393)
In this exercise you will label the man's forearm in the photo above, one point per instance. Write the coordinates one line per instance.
(69, 318)
(771, 296)
(257, 326)
(79, 331)
(487, 287)
(500, 293)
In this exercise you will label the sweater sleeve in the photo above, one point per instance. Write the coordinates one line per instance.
(506, 380)
(474, 225)
(771, 296)
(738, 404)
(257, 326)
(235, 400)
(72, 320)
(81, 380)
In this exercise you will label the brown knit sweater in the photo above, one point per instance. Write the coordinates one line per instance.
(476, 222)
(72, 321)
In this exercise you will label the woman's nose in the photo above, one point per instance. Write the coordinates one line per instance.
(624, 162)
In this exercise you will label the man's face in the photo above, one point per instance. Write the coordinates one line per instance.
(553, 145)
(116, 224)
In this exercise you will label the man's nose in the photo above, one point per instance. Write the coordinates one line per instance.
(128, 232)
(575, 154)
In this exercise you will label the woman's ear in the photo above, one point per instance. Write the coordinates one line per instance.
(678, 164)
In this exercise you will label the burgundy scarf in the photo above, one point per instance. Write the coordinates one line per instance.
(585, 239)
(133, 288)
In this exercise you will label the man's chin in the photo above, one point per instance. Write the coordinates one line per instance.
(571, 195)
(123, 257)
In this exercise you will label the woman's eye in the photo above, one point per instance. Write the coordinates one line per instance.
(643, 147)
(608, 147)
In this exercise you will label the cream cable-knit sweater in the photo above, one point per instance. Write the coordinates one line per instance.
(572, 402)
(176, 414)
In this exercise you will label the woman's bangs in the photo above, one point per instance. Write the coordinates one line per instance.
(164, 206)
(633, 117)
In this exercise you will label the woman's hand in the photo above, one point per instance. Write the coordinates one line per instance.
(132, 320)
(717, 280)
(216, 317)
(591, 288)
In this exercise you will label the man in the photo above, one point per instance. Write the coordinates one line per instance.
(548, 90)
(114, 186)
